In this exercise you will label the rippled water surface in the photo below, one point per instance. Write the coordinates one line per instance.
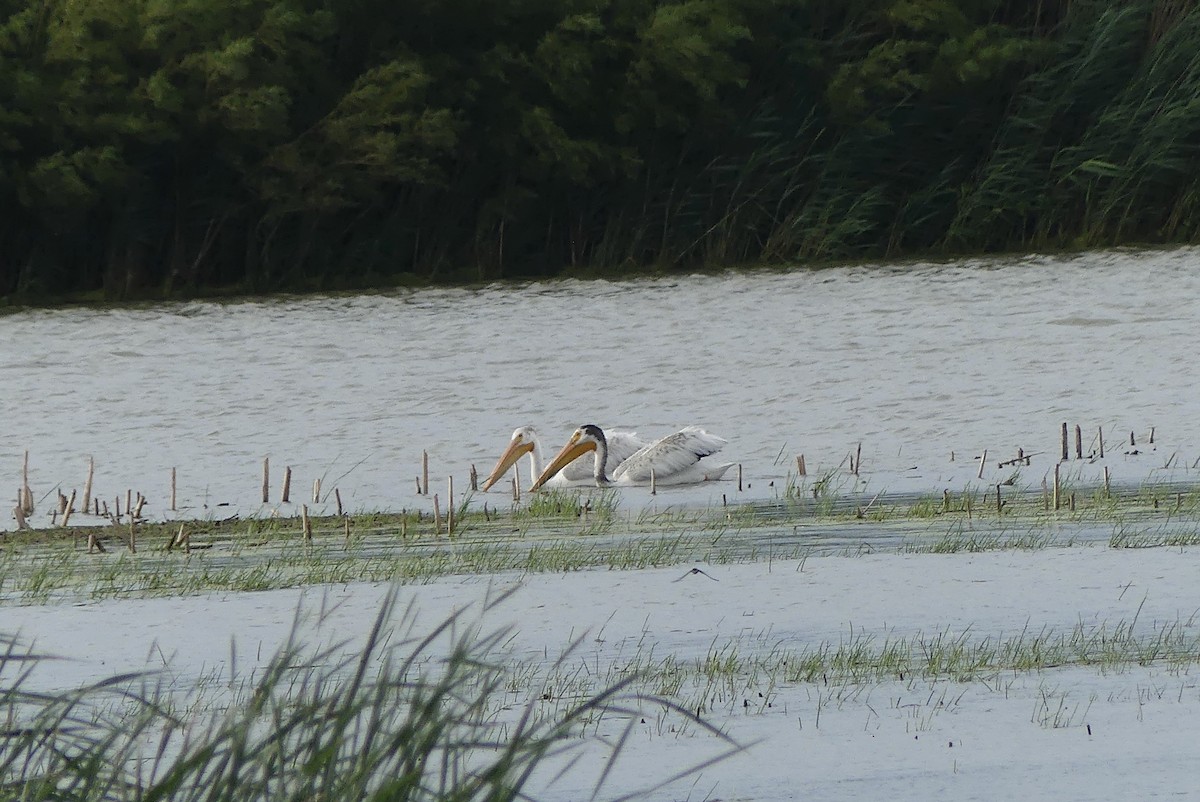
(918, 363)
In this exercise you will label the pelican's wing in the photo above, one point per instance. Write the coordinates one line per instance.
(670, 457)
(622, 446)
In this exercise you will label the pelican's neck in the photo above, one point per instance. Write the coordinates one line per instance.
(601, 460)
(535, 462)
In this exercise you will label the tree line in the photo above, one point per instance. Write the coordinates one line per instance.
(155, 148)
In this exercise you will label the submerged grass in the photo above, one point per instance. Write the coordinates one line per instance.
(740, 675)
(570, 530)
(407, 715)
(960, 656)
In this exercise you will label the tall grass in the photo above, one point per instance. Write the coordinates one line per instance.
(410, 715)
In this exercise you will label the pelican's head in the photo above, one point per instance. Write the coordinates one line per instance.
(522, 443)
(584, 439)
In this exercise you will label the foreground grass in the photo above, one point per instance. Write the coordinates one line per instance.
(407, 715)
(441, 714)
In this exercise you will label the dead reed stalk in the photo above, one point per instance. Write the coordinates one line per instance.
(25, 499)
(87, 485)
(19, 514)
(69, 509)
(1057, 487)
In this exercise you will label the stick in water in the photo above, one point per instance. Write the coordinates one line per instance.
(19, 514)
(25, 499)
(70, 508)
(87, 485)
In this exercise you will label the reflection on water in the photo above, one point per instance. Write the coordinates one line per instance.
(916, 363)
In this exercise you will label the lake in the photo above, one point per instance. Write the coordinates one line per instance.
(924, 365)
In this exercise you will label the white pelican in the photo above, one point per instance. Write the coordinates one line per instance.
(674, 460)
(621, 445)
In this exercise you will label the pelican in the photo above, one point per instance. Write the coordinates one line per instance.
(674, 460)
(525, 440)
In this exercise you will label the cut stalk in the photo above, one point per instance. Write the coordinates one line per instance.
(87, 485)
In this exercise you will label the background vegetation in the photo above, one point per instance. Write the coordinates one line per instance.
(176, 147)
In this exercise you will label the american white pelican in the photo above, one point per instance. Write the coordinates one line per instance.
(674, 460)
(621, 446)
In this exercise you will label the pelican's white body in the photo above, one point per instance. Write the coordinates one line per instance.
(677, 459)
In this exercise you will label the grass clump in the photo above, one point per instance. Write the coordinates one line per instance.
(971, 542)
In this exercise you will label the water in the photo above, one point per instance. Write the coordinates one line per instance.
(915, 362)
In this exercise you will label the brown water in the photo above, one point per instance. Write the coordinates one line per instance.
(917, 363)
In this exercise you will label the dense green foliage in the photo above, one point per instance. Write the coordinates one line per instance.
(183, 146)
